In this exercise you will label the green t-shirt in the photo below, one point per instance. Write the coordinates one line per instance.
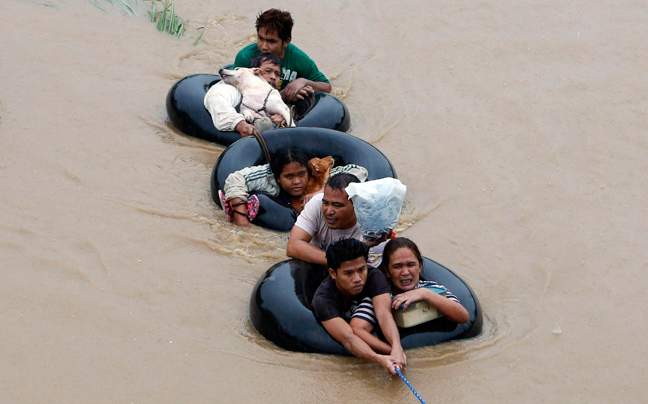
(295, 64)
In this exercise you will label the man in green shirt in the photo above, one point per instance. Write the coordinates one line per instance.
(300, 76)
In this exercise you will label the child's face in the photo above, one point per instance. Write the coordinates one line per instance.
(293, 179)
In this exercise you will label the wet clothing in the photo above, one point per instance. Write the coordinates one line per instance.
(295, 64)
(328, 302)
(311, 220)
(240, 184)
(223, 102)
(432, 284)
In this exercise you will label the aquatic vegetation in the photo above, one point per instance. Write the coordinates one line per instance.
(161, 13)
(202, 31)
(167, 20)
(128, 7)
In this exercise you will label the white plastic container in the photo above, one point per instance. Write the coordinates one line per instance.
(417, 313)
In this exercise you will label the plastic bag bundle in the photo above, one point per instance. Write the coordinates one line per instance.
(377, 205)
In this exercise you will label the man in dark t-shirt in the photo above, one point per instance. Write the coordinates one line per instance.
(349, 292)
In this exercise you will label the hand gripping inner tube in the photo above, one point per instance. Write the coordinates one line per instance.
(280, 310)
(316, 142)
(186, 110)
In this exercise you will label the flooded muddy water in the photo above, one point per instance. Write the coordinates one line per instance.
(518, 128)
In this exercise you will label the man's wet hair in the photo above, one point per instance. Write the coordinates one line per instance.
(341, 181)
(258, 60)
(285, 156)
(275, 20)
(346, 249)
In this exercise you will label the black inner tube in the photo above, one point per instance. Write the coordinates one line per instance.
(316, 142)
(186, 110)
(280, 309)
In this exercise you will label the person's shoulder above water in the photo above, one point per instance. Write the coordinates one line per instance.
(297, 61)
(325, 300)
(377, 283)
(292, 51)
(246, 54)
(436, 286)
(311, 216)
(305, 64)
(316, 200)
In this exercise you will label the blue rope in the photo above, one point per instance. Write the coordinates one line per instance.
(409, 385)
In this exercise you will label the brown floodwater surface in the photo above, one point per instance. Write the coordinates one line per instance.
(519, 130)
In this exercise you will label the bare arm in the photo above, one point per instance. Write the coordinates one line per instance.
(301, 87)
(320, 86)
(299, 247)
(244, 128)
(342, 332)
(453, 310)
(362, 329)
(382, 308)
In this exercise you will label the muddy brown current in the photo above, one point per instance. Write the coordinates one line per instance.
(519, 129)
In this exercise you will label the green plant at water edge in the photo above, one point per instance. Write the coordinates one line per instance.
(128, 7)
(167, 20)
(202, 31)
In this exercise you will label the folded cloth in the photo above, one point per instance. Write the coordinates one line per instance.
(263, 124)
(252, 207)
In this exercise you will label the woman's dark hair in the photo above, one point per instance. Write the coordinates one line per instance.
(346, 249)
(278, 21)
(395, 244)
(284, 156)
(264, 57)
